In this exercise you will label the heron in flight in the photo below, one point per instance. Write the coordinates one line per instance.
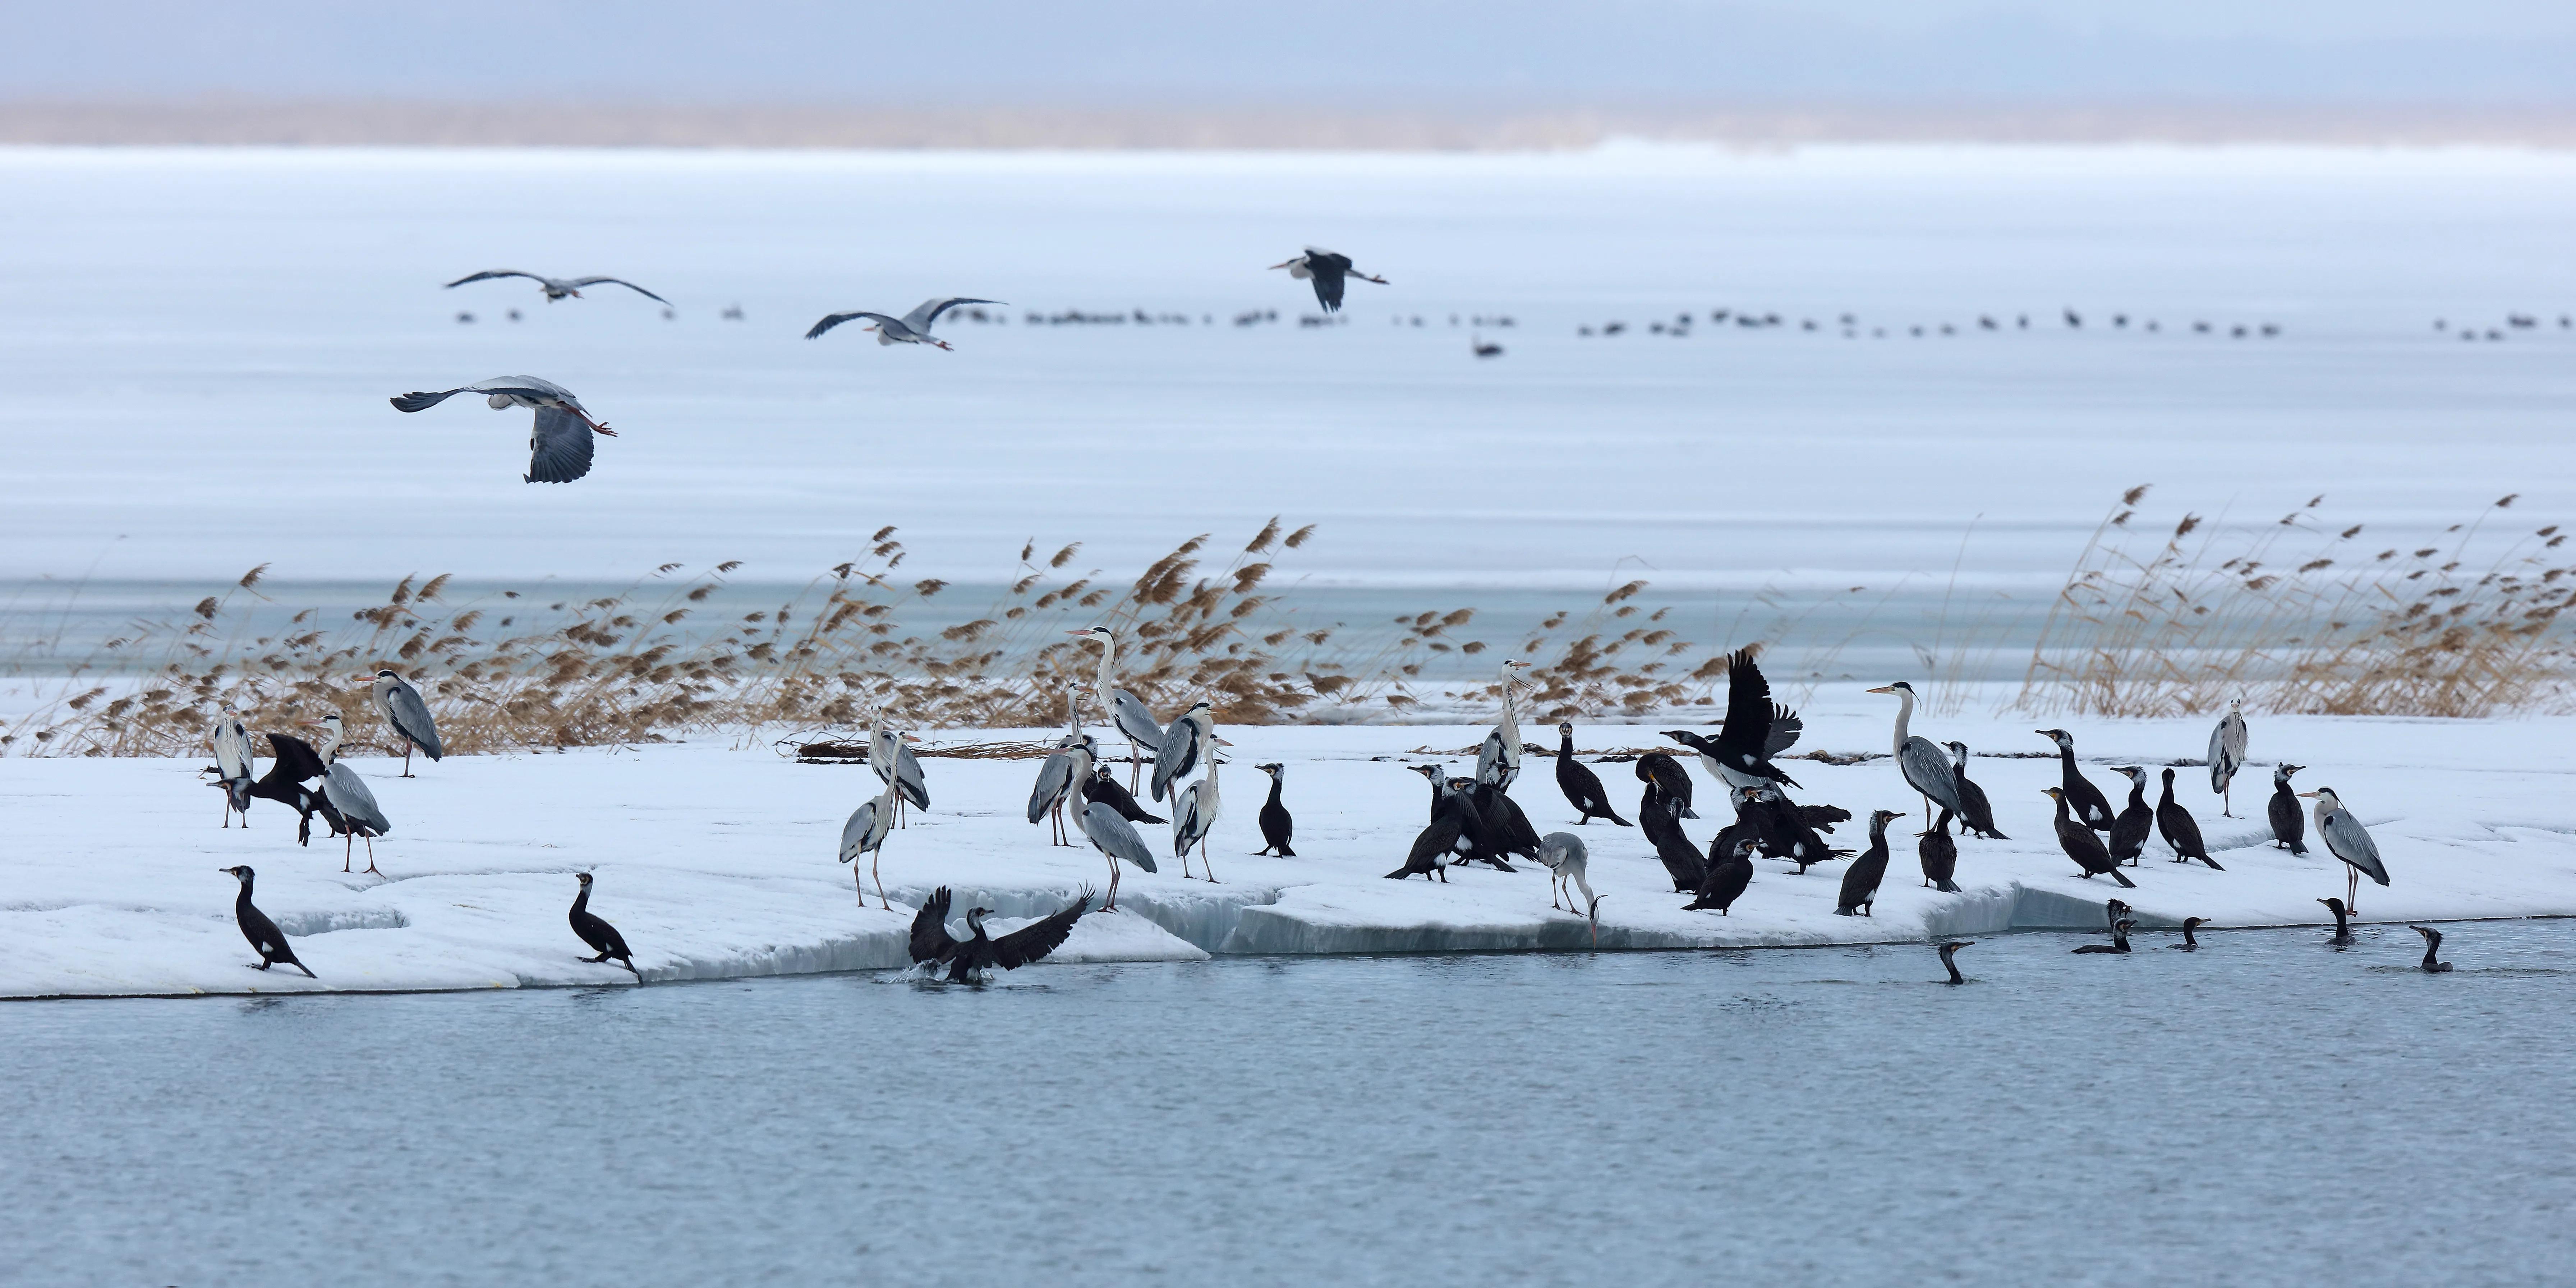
(556, 288)
(911, 328)
(1328, 269)
(558, 446)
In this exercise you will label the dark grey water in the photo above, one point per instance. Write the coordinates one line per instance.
(2264, 1111)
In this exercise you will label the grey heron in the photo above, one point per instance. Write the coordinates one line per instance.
(556, 288)
(1978, 819)
(1116, 839)
(359, 812)
(1498, 761)
(232, 762)
(2090, 807)
(1184, 741)
(2081, 845)
(979, 953)
(2433, 965)
(1926, 770)
(2181, 831)
(559, 441)
(1135, 721)
(911, 328)
(1194, 813)
(2289, 822)
(1756, 729)
(1276, 826)
(1861, 880)
(865, 833)
(1581, 786)
(602, 937)
(890, 757)
(1328, 270)
(1062, 775)
(2349, 841)
(328, 748)
(1564, 856)
(2227, 753)
(408, 716)
(263, 934)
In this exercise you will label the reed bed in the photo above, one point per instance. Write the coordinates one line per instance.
(2305, 615)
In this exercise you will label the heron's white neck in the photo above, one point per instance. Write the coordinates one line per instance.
(1108, 661)
(1511, 726)
(1072, 712)
(1904, 716)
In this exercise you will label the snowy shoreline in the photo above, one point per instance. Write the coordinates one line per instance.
(715, 859)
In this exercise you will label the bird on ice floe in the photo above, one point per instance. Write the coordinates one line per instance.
(559, 443)
(556, 288)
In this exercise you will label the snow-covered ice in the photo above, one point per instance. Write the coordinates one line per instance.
(717, 859)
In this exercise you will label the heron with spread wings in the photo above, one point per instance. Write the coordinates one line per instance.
(911, 328)
(556, 288)
(558, 445)
(1329, 270)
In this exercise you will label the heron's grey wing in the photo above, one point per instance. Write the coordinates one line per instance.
(1038, 938)
(1055, 777)
(232, 749)
(489, 274)
(854, 834)
(831, 320)
(2219, 769)
(2352, 844)
(412, 720)
(1135, 719)
(1187, 823)
(619, 281)
(1929, 772)
(348, 794)
(926, 314)
(1785, 728)
(419, 400)
(1178, 755)
(907, 772)
(1114, 837)
(931, 941)
(1489, 756)
(558, 447)
(1556, 849)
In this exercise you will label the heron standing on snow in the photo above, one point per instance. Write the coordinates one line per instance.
(892, 759)
(2227, 753)
(1065, 771)
(866, 834)
(1498, 762)
(1194, 813)
(1926, 770)
(558, 445)
(359, 812)
(911, 328)
(1135, 720)
(1328, 270)
(2349, 841)
(1183, 743)
(232, 761)
(407, 715)
(556, 288)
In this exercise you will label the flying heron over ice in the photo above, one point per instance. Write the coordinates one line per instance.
(408, 716)
(558, 446)
(911, 328)
(1328, 269)
(556, 288)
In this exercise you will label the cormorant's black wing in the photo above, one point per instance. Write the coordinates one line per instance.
(295, 762)
(1038, 938)
(1785, 728)
(931, 941)
(1748, 706)
(558, 447)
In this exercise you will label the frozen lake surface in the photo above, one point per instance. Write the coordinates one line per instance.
(2267, 1110)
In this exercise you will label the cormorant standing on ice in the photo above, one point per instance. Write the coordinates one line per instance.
(2190, 943)
(602, 937)
(1474, 842)
(1730, 870)
(965, 959)
(2432, 949)
(1785, 829)
(2289, 822)
(1276, 826)
(1507, 829)
(2081, 845)
(2343, 929)
(2181, 831)
(2119, 939)
(264, 937)
(1663, 829)
(1581, 786)
(1660, 771)
(2085, 799)
(2137, 820)
(1940, 856)
(1860, 881)
(1444, 840)
(1976, 814)
(1949, 958)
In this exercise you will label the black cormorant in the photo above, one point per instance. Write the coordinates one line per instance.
(263, 934)
(1507, 829)
(2081, 845)
(1104, 789)
(1756, 729)
(1581, 786)
(1444, 840)
(2119, 939)
(602, 937)
(2181, 831)
(2190, 943)
(1940, 856)
(2343, 928)
(2085, 799)
(2137, 820)
(1663, 829)
(296, 763)
(1660, 770)
(1276, 826)
(2432, 949)
(966, 959)
(2289, 822)
(1949, 958)
(1474, 842)
(1730, 870)
(1976, 814)
(1784, 829)
(1860, 880)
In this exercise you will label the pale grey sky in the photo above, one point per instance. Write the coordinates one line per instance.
(1317, 53)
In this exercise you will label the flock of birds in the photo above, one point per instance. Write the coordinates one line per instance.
(1473, 820)
(560, 441)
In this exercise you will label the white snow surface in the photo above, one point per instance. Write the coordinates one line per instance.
(716, 859)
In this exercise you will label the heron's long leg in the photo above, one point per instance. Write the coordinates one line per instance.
(1205, 863)
(406, 758)
(872, 875)
(348, 849)
(371, 856)
(228, 807)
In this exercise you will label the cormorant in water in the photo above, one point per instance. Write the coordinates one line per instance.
(2189, 943)
(2082, 797)
(1276, 826)
(1663, 829)
(2432, 947)
(2081, 845)
(2289, 822)
(2137, 820)
(2349, 841)
(2343, 929)
(264, 937)
(1860, 880)
(1976, 814)
(602, 937)
(966, 959)
(1940, 856)
(2181, 831)
(1949, 958)
(2112, 912)
(1581, 786)
(2119, 939)
(1730, 870)
(1659, 770)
